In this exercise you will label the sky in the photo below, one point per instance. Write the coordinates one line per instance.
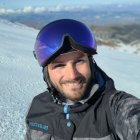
(21, 76)
(39, 6)
(14, 4)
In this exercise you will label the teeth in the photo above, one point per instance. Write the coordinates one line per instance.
(74, 84)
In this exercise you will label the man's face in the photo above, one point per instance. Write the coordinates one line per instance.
(70, 74)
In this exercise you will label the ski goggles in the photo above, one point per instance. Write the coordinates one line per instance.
(50, 39)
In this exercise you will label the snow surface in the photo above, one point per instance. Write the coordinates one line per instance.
(21, 77)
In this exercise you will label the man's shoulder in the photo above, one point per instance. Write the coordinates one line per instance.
(122, 100)
(122, 95)
(115, 96)
(39, 102)
(44, 96)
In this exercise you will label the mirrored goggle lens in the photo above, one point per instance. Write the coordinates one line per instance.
(50, 38)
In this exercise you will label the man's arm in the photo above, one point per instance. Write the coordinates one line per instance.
(36, 135)
(125, 111)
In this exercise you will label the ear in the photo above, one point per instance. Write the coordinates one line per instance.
(34, 54)
(46, 77)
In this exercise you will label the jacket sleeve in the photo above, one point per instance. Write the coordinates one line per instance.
(36, 135)
(125, 112)
(32, 134)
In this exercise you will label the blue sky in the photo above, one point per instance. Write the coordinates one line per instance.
(39, 6)
(15, 4)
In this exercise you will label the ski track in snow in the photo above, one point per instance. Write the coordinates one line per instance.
(21, 77)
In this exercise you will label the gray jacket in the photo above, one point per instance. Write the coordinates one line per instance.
(108, 115)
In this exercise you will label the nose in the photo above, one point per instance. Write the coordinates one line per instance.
(72, 72)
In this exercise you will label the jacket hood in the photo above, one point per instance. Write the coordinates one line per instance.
(43, 106)
(44, 102)
(97, 83)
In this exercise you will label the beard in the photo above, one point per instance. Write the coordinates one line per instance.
(73, 90)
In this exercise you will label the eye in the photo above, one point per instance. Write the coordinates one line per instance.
(58, 65)
(80, 61)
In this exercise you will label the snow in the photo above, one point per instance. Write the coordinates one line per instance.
(130, 48)
(21, 77)
(122, 67)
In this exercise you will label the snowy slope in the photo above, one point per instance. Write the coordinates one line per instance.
(21, 77)
(122, 67)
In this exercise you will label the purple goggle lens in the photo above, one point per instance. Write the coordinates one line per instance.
(50, 38)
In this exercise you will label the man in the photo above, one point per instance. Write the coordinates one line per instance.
(81, 101)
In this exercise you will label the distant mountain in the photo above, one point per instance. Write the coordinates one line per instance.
(116, 34)
(111, 24)
(103, 14)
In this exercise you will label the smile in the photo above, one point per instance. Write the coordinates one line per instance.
(74, 85)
